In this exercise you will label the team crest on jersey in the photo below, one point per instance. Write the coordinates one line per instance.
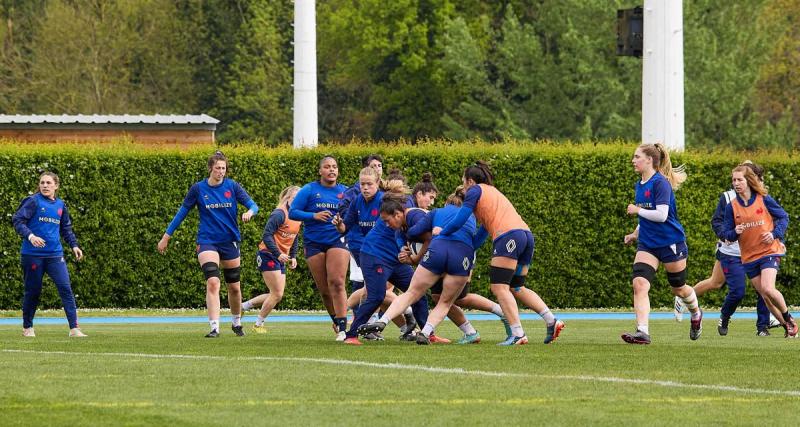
(511, 245)
(228, 194)
(646, 193)
(340, 196)
(379, 270)
(60, 211)
(374, 212)
(759, 211)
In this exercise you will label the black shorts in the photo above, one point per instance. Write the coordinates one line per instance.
(437, 288)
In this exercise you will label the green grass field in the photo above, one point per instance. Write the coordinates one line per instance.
(297, 375)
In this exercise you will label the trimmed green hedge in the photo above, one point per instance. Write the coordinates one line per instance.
(573, 197)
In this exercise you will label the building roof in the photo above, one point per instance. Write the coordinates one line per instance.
(134, 119)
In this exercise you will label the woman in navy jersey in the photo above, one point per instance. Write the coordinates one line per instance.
(42, 220)
(316, 205)
(277, 250)
(423, 195)
(759, 224)
(661, 239)
(218, 237)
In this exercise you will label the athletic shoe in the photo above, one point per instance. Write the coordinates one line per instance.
(470, 338)
(259, 329)
(507, 326)
(28, 332)
(341, 336)
(238, 330)
(762, 332)
(678, 310)
(411, 323)
(411, 336)
(435, 339)
(514, 340)
(213, 334)
(637, 337)
(791, 329)
(773, 322)
(696, 327)
(76, 333)
(553, 331)
(722, 325)
(373, 336)
(423, 340)
(352, 341)
(371, 327)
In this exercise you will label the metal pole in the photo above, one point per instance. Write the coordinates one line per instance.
(305, 134)
(662, 75)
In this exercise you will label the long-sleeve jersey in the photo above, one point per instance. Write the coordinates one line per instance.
(718, 225)
(491, 208)
(382, 242)
(654, 192)
(312, 198)
(218, 209)
(760, 214)
(45, 218)
(439, 218)
(359, 219)
(280, 234)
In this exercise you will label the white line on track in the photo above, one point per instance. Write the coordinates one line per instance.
(432, 369)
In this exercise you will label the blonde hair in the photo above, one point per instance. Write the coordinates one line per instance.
(286, 193)
(662, 163)
(753, 182)
(456, 198)
(372, 173)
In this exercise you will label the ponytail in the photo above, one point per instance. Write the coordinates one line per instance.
(480, 173)
(287, 193)
(662, 164)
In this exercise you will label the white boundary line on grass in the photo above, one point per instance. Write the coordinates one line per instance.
(432, 369)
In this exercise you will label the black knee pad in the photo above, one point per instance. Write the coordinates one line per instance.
(518, 282)
(644, 271)
(210, 269)
(233, 275)
(676, 280)
(501, 276)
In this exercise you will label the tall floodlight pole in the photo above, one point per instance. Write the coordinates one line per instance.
(662, 77)
(305, 133)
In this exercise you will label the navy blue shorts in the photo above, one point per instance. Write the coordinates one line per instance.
(313, 248)
(753, 268)
(226, 251)
(448, 257)
(515, 244)
(267, 262)
(666, 254)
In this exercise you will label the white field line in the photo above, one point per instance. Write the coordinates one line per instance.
(432, 369)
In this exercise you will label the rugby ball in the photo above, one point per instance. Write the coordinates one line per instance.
(415, 248)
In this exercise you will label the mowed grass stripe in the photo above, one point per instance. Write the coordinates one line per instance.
(429, 369)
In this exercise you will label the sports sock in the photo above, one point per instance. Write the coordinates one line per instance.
(786, 316)
(259, 321)
(408, 310)
(247, 305)
(341, 323)
(214, 324)
(496, 310)
(385, 320)
(427, 330)
(467, 328)
(644, 328)
(516, 330)
(691, 303)
(237, 320)
(548, 317)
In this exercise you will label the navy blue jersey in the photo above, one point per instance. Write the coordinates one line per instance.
(45, 218)
(218, 209)
(382, 242)
(657, 191)
(312, 198)
(441, 217)
(360, 218)
(416, 222)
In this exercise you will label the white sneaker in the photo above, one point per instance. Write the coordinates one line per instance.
(76, 333)
(341, 336)
(773, 322)
(678, 311)
(28, 332)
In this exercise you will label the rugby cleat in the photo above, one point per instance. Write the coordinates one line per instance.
(696, 327)
(341, 336)
(553, 331)
(373, 336)
(76, 333)
(411, 323)
(261, 330)
(722, 325)
(762, 332)
(238, 330)
(435, 339)
(423, 340)
(637, 337)
(28, 332)
(371, 327)
(470, 338)
(514, 340)
(411, 336)
(213, 334)
(678, 309)
(352, 341)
